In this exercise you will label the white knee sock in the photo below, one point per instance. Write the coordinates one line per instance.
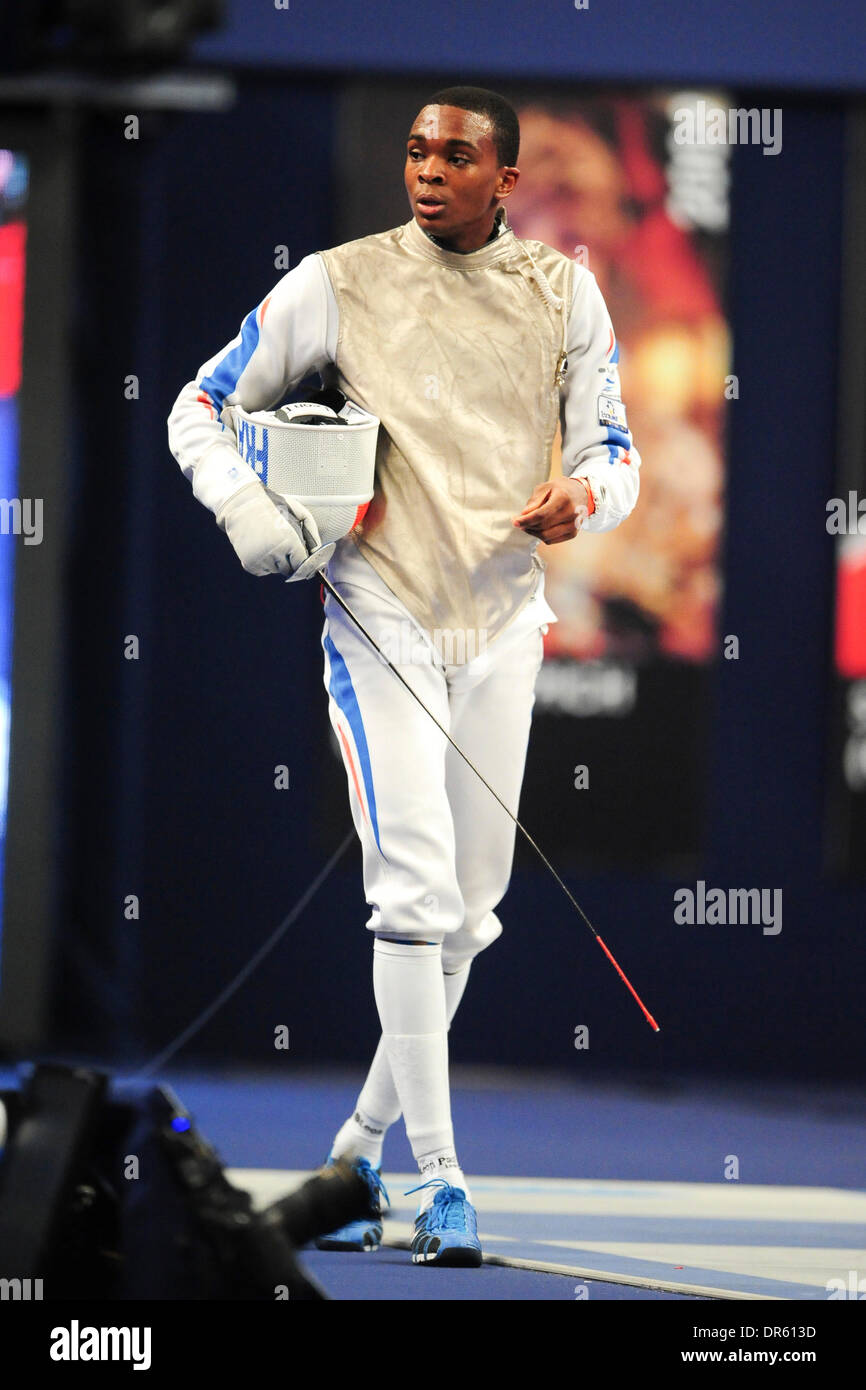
(378, 1105)
(410, 997)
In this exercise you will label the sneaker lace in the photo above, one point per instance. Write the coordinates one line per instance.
(449, 1202)
(374, 1179)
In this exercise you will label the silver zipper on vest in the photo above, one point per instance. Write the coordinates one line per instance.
(554, 302)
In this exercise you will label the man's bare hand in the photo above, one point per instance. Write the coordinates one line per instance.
(556, 510)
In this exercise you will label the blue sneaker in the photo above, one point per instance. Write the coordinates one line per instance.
(366, 1234)
(447, 1232)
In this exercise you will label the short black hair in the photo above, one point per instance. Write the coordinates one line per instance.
(501, 114)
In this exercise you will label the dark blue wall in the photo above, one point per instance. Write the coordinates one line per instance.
(790, 43)
(229, 681)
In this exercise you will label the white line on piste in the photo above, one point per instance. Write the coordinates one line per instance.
(600, 1276)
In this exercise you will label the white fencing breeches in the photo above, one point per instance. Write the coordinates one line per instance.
(437, 848)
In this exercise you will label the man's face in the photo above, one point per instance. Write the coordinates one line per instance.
(453, 176)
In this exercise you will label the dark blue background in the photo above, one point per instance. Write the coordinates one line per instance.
(790, 43)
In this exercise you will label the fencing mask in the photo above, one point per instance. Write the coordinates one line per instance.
(321, 452)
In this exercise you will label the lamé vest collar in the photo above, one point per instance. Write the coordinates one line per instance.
(489, 254)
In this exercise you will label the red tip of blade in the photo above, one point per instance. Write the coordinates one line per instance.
(627, 982)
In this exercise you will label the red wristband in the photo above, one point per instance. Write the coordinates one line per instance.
(590, 498)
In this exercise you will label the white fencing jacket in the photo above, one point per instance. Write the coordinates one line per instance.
(469, 361)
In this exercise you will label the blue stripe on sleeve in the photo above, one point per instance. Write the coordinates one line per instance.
(227, 373)
(618, 437)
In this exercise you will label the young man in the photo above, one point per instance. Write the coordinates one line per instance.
(470, 346)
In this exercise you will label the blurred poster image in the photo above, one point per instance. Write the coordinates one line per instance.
(13, 235)
(845, 797)
(846, 782)
(851, 602)
(603, 181)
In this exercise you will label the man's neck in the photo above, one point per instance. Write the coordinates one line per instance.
(498, 223)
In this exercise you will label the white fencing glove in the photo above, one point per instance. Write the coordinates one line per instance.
(272, 534)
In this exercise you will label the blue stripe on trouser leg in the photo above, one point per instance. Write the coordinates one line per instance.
(343, 692)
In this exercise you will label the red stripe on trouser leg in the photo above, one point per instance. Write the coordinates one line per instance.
(351, 762)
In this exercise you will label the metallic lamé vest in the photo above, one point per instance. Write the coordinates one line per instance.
(458, 356)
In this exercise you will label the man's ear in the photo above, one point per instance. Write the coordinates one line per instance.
(506, 181)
